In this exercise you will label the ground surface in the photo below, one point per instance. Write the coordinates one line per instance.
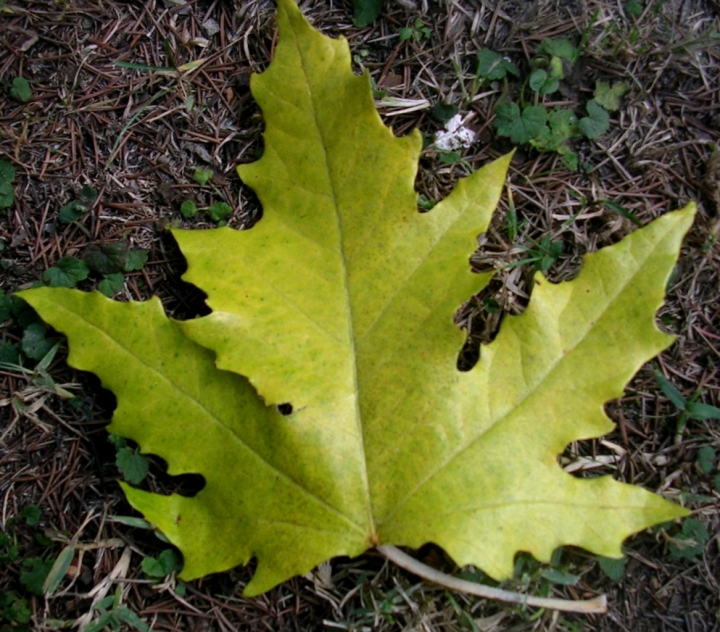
(136, 136)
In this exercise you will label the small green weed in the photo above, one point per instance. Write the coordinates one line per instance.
(14, 611)
(706, 459)
(68, 272)
(542, 255)
(689, 408)
(168, 561)
(418, 31)
(217, 211)
(115, 616)
(365, 12)
(690, 541)
(133, 466)
(613, 569)
(109, 261)
(36, 573)
(21, 90)
(188, 209)
(202, 175)
(7, 191)
(531, 122)
(73, 211)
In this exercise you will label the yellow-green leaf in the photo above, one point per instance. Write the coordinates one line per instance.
(338, 305)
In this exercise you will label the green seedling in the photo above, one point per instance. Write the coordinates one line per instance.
(531, 122)
(73, 211)
(689, 408)
(188, 209)
(9, 551)
(493, 67)
(561, 47)
(425, 203)
(613, 569)
(520, 126)
(202, 175)
(7, 191)
(609, 95)
(112, 261)
(68, 272)
(633, 9)
(20, 90)
(562, 126)
(443, 112)
(14, 611)
(32, 514)
(543, 254)
(416, 32)
(690, 542)
(168, 561)
(35, 574)
(596, 123)
(115, 616)
(365, 12)
(219, 211)
(115, 257)
(132, 465)
(706, 459)
(111, 284)
(543, 82)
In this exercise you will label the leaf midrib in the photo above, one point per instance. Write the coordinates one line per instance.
(346, 289)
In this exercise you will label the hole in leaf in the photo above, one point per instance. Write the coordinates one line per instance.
(160, 482)
(285, 409)
(469, 355)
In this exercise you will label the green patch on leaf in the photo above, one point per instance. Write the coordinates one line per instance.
(596, 123)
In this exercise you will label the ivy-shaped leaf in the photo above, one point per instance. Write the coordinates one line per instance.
(596, 123)
(68, 272)
(338, 306)
(520, 126)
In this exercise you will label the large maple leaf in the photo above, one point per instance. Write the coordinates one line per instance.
(339, 303)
